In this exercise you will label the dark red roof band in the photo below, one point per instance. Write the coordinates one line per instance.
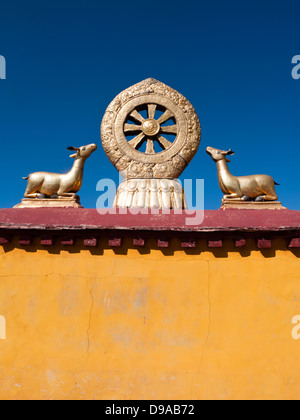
(90, 219)
(66, 226)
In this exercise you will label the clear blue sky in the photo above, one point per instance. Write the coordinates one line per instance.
(67, 60)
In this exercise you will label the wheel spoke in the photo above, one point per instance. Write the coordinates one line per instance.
(150, 147)
(137, 116)
(137, 140)
(165, 117)
(169, 129)
(132, 127)
(164, 142)
(151, 111)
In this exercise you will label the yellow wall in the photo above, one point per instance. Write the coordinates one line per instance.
(149, 324)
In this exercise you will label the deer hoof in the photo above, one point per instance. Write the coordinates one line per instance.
(246, 198)
(54, 197)
(259, 198)
(41, 196)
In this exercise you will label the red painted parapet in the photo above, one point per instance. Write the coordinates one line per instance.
(65, 241)
(46, 240)
(115, 242)
(188, 244)
(65, 226)
(264, 243)
(294, 243)
(25, 240)
(163, 243)
(214, 220)
(215, 244)
(4, 239)
(90, 242)
(138, 242)
(240, 242)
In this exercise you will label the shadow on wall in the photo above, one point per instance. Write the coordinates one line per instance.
(167, 246)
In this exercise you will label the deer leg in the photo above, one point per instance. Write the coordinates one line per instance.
(65, 196)
(33, 189)
(32, 193)
(36, 195)
(233, 197)
(268, 197)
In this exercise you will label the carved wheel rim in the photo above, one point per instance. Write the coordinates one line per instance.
(150, 131)
(154, 123)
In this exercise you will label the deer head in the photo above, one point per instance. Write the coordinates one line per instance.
(83, 152)
(217, 154)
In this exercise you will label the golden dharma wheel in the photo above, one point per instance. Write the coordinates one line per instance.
(150, 131)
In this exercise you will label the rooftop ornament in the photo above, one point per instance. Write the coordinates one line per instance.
(46, 189)
(253, 191)
(150, 133)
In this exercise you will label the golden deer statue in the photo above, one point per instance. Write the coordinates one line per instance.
(46, 184)
(241, 188)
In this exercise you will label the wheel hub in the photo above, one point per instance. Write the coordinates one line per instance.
(150, 127)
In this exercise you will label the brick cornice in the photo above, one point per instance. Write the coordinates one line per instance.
(215, 226)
